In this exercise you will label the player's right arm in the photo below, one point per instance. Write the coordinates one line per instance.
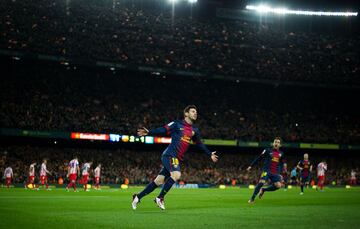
(299, 166)
(164, 130)
(257, 160)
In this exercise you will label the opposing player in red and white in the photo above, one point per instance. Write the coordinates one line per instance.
(8, 175)
(43, 175)
(321, 169)
(85, 174)
(31, 178)
(97, 173)
(353, 177)
(73, 171)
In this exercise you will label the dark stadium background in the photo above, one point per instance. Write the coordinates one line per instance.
(321, 110)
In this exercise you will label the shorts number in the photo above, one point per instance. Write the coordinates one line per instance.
(175, 161)
(264, 174)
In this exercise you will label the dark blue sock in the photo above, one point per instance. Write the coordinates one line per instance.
(270, 188)
(302, 188)
(257, 190)
(167, 186)
(148, 189)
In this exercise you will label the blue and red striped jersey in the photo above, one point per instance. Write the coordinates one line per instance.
(182, 133)
(273, 160)
(305, 165)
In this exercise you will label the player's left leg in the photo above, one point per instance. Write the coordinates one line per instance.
(97, 182)
(257, 190)
(159, 200)
(84, 182)
(322, 183)
(8, 182)
(285, 183)
(302, 184)
(174, 176)
(47, 183)
(263, 178)
(275, 185)
(159, 180)
(173, 166)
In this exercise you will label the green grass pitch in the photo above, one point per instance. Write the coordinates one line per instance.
(185, 208)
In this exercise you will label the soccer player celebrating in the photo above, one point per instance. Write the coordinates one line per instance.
(321, 168)
(31, 178)
(43, 175)
(97, 177)
(305, 168)
(271, 170)
(85, 174)
(73, 170)
(8, 175)
(182, 132)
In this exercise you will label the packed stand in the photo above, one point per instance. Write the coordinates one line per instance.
(148, 34)
(66, 98)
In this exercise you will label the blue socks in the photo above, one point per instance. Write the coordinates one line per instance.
(167, 186)
(257, 190)
(148, 189)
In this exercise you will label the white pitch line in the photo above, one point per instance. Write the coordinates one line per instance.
(49, 197)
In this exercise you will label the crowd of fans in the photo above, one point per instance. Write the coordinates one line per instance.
(140, 167)
(62, 98)
(49, 96)
(136, 33)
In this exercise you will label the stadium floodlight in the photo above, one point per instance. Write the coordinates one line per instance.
(267, 9)
(192, 1)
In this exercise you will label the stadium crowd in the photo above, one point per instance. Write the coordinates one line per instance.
(139, 167)
(136, 33)
(66, 98)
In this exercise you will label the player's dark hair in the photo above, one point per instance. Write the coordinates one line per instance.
(277, 138)
(187, 108)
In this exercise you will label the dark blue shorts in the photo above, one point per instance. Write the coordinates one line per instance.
(272, 177)
(305, 179)
(170, 164)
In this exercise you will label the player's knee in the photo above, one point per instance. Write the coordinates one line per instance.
(159, 180)
(175, 176)
(278, 184)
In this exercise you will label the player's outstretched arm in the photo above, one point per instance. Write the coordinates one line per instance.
(257, 159)
(164, 130)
